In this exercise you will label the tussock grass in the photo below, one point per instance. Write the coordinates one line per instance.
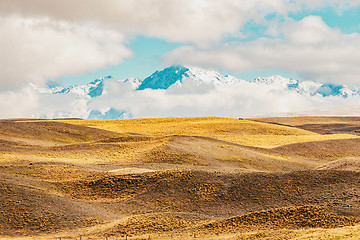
(47, 172)
(243, 132)
(291, 218)
(179, 176)
(156, 223)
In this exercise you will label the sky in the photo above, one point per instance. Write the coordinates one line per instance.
(75, 42)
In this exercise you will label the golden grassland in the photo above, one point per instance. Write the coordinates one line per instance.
(206, 141)
(296, 121)
(180, 178)
(244, 132)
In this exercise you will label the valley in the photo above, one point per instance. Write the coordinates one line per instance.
(180, 178)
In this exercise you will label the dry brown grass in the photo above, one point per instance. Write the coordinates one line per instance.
(321, 125)
(177, 177)
(174, 201)
(243, 132)
(289, 218)
(47, 133)
(156, 224)
(26, 211)
(48, 172)
(220, 194)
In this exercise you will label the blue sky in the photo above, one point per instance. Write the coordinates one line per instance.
(348, 20)
(148, 52)
(146, 59)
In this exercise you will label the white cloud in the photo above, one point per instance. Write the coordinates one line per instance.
(311, 30)
(244, 99)
(38, 49)
(43, 39)
(194, 21)
(183, 20)
(241, 99)
(30, 102)
(309, 47)
(20, 103)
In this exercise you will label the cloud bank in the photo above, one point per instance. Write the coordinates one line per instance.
(243, 99)
(42, 40)
(120, 98)
(38, 49)
(309, 47)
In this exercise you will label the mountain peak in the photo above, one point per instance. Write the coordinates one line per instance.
(165, 78)
(169, 76)
(179, 80)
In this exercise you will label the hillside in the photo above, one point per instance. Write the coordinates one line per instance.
(322, 125)
(244, 132)
(177, 178)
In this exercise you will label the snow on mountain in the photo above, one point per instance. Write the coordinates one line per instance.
(165, 78)
(275, 81)
(112, 113)
(93, 89)
(307, 87)
(212, 77)
(134, 82)
(172, 83)
(180, 74)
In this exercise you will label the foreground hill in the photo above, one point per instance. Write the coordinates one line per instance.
(177, 178)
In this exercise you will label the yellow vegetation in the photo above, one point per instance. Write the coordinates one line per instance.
(180, 178)
(243, 132)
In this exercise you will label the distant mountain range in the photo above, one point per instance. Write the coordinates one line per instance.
(189, 80)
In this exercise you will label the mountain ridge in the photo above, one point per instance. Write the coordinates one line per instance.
(180, 79)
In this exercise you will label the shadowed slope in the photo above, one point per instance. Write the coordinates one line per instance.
(27, 210)
(289, 218)
(47, 133)
(321, 125)
(324, 150)
(222, 194)
(219, 155)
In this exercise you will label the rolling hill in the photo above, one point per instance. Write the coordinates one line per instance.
(179, 178)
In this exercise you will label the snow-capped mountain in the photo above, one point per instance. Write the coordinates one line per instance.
(308, 87)
(178, 74)
(175, 81)
(93, 89)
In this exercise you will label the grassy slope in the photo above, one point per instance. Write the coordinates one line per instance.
(154, 141)
(298, 121)
(243, 132)
(322, 125)
(71, 158)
